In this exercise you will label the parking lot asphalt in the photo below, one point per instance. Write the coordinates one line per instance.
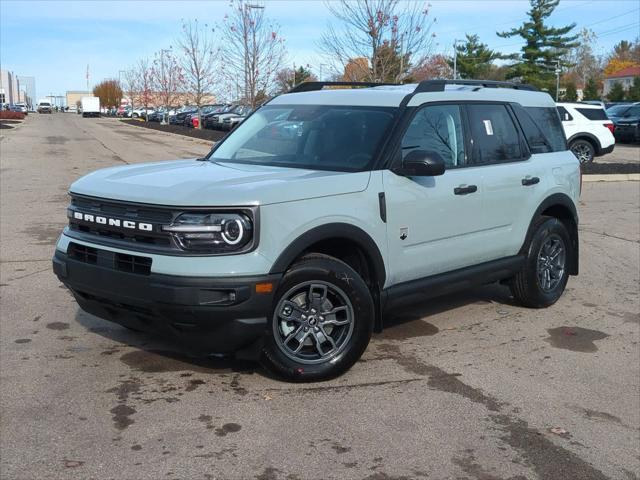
(622, 153)
(469, 386)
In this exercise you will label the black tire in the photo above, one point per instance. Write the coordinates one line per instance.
(583, 150)
(527, 286)
(351, 339)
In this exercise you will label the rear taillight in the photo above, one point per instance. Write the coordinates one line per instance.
(610, 126)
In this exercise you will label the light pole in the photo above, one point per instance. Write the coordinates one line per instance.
(164, 61)
(455, 59)
(557, 79)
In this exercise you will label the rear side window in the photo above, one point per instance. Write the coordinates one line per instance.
(565, 116)
(542, 128)
(495, 137)
(593, 113)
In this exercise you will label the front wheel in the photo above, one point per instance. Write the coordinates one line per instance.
(321, 322)
(583, 150)
(544, 276)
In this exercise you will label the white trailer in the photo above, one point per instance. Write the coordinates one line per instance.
(90, 106)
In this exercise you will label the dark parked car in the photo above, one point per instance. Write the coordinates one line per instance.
(204, 110)
(206, 119)
(178, 118)
(626, 119)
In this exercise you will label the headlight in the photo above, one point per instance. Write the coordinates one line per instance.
(217, 232)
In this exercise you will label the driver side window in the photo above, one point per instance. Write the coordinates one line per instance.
(437, 128)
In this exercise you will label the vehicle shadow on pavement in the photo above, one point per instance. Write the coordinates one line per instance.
(152, 353)
(411, 321)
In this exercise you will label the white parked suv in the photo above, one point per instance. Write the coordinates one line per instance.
(588, 130)
(322, 211)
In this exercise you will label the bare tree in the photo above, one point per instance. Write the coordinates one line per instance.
(254, 51)
(145, 87)
(198, 62)
(394, 36)
(130, 86)
(166, 77)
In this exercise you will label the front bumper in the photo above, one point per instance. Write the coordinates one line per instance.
(212, 315)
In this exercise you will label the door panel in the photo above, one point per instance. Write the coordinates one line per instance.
(430, 229)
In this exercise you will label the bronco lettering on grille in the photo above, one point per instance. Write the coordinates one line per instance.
(114, 222)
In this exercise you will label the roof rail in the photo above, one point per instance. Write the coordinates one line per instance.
(439, 85)
(312, 86)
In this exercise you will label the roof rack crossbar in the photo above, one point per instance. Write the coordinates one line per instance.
(313, 86)
(439, 85)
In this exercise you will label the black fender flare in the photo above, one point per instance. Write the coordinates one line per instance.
(332, 231)
(563, 200)
(586, 135)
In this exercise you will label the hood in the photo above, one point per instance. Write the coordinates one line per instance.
(203, 183)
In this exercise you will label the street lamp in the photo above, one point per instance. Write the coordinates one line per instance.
(557, 78)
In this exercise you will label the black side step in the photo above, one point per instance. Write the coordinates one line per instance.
(422, 289)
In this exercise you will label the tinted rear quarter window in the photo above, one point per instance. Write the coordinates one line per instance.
(593, 113)
(495, 137)
(547, 122)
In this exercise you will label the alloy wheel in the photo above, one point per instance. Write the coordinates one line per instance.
(313, 322)
(551, 263)
(582, 152)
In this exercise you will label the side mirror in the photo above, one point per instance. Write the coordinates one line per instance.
(421, 163)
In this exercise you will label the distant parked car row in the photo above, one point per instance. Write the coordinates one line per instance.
(214, 116)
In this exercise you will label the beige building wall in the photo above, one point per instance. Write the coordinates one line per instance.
(74, 96)
(181, 99)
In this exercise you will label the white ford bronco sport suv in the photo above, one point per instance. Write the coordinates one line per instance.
(325, 209)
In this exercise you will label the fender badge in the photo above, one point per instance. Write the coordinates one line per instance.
(404, 233)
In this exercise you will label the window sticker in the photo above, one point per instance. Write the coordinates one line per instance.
(488, 127)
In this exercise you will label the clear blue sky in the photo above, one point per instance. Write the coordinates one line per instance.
(54, 41)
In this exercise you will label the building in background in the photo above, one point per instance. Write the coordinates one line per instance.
(74, 96)
(624, 77)
(9, 92)
(27, 89)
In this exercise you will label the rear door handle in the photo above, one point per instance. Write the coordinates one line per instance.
(465, 189)
(530, 181)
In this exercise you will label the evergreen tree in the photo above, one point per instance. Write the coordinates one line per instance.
(633, 94)
(475, 59)
(571, 93)
(616, 94)
(591, 90)
(545, 49)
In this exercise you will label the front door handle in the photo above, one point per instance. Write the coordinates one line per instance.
(465, 189)
(530, 181)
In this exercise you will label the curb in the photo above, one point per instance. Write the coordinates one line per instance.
(614, 177)
(193, 139)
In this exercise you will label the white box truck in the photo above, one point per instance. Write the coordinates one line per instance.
(90, 106)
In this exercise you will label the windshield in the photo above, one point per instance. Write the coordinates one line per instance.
(319, 137)
(45, 104)
(617, 110)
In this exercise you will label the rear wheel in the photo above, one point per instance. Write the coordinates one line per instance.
(583, 150)
(544, 276)
(321, 322)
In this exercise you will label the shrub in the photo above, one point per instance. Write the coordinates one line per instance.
(5, 115)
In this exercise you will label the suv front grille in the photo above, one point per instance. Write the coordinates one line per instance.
(115, 221)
